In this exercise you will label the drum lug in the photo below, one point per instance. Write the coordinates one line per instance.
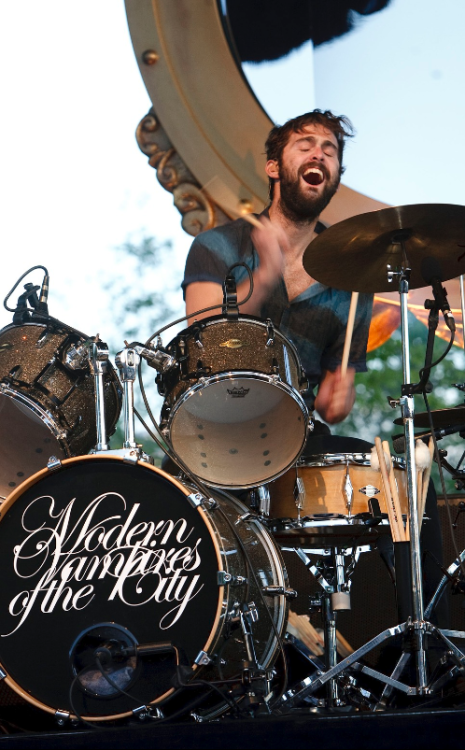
(280, 591)
(269, 332)
(53, 463)
(147, 712)
(196, 499)
(2, 674)
(61, 717)
(223, 578)
(202, 659)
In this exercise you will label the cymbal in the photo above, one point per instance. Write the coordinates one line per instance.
(353, 254)
(441, 418)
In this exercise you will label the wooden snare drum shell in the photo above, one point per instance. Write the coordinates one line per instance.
(324, 488)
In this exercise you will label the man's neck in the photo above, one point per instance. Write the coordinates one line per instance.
(299, 234)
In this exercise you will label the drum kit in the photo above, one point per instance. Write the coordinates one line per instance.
(129, 591)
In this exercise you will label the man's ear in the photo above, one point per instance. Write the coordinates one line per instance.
(272, 169)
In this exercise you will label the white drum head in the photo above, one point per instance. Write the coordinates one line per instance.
(239, 431)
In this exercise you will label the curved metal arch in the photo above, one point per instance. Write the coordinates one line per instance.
(213, 127)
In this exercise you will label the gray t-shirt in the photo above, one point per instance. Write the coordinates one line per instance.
(315, 321)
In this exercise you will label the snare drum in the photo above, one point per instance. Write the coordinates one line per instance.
(47, 404)
(103, 559)
(233, 409)
(325, 498)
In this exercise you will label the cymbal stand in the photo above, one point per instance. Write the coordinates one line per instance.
(415, 628)
(407, 405)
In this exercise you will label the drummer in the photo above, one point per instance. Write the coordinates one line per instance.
(304, 168)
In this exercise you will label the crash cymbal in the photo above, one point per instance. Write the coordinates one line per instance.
(354, 253)
(441, 418)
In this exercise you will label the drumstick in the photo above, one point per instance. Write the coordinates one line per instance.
(426, 478)
(253, 220)
(349, 332)
(387, 492)
(394, 492)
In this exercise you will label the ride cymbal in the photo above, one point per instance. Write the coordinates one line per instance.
(354, 254)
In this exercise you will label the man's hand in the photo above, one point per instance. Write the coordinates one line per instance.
(270, 241)
(336, 395)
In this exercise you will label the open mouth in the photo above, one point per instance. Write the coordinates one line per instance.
(313, 176)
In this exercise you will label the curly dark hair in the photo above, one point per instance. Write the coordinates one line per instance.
(278, 136)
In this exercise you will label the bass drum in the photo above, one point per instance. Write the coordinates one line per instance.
(47, 404)
(112, 574)
(233, 409)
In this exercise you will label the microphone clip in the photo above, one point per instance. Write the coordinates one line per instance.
(230, 306)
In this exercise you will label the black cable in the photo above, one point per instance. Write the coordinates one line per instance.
(428, 368)
(443, 484)
(78, 716)
(13, 310)
(207, 309)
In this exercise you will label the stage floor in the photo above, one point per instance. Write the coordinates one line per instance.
(394, 729)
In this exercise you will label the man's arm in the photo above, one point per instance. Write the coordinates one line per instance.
(336, 395)
(268, 242)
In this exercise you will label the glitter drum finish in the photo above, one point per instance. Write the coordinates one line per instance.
(47, 404)
(233, 409)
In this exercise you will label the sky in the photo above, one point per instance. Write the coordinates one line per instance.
(74, 184)
(399, 77)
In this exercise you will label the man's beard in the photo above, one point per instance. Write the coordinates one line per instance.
(299, 207)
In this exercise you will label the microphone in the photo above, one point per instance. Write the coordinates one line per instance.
(43, 297)
(156, 358)
(432, 274)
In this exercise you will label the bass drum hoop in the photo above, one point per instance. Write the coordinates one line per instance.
(223, 600)
(84, 459)
(239, 375)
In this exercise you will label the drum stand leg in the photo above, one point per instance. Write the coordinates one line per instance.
(335, 597)
(329, 629)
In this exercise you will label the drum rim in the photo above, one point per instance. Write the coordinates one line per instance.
(254, 375)
(34, 479)
(326, 460)
(45, 416)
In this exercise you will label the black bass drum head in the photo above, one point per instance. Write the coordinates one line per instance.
(106, 567)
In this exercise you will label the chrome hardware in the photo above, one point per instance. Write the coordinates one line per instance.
(263, 494)
(202, 659)
(127, 362)
(159, 360)
(61, 717)
(2, 674)
(299, 493)
(196, 499)
(348, 490)
(76, 357)
(223, 578)
(280, 591)
(98, 360)
(53, 463)
(269, 332)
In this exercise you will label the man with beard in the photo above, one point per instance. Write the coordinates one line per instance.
(304, 167)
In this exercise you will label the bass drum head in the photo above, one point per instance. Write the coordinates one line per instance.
(239, 431)
(109, 567)
(27, 440)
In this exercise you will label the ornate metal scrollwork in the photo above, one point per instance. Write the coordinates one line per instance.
(198, 211)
